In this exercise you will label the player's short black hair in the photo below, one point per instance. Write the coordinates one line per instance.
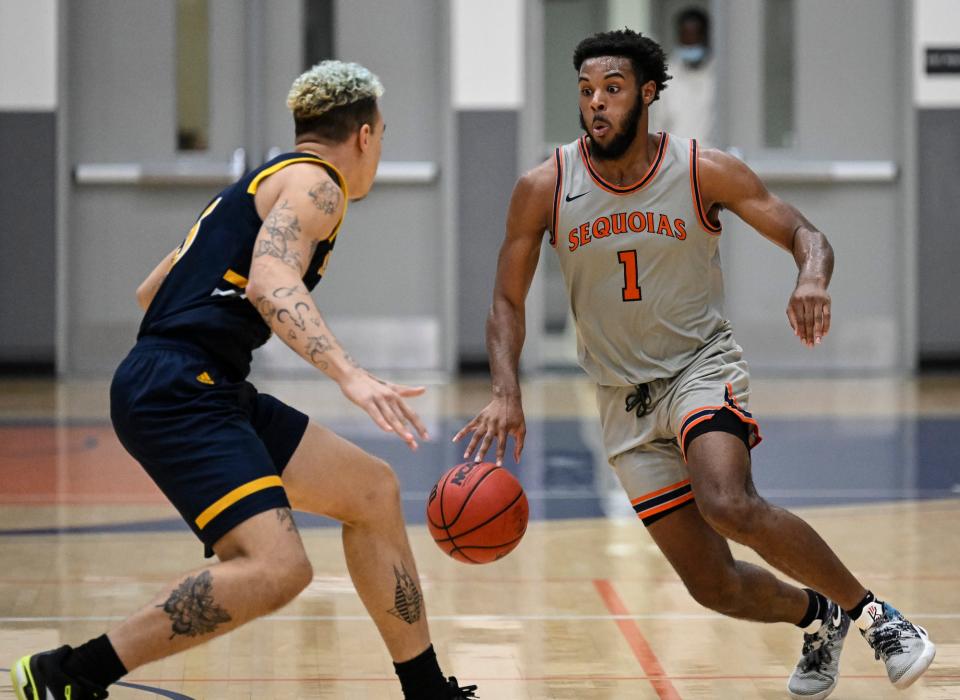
(339, 123)
(648, 59)
(695, 14)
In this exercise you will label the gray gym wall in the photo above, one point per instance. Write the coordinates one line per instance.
(385, 293)
(116, 105)
(851, 116)
(28, 143)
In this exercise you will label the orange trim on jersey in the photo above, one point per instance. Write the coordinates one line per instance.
(654, 494)
(686, 428)
(666, 506)
(639, 184)
(557, 196)
(705, 223)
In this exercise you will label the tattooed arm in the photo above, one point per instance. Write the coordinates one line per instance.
(148, 288)
(305, 211)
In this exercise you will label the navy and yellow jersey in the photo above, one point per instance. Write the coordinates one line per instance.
(202, 300)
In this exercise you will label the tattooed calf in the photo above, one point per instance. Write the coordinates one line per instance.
(407, 599)
(192, 609)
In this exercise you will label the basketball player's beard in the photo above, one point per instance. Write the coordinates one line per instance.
(622, 140)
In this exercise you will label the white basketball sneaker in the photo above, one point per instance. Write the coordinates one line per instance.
(815, 676)
(904, 647)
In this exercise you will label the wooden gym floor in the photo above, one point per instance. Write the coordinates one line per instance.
(586, 607)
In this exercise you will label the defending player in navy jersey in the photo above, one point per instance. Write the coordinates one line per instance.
(634, 220)
(234, 461)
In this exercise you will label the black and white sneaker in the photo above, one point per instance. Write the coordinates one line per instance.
(40, 677)
(816, 674)
(456, 692)
(904, 647)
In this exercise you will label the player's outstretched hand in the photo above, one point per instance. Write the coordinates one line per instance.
(809, 312)
(501, 417)
(384, 402)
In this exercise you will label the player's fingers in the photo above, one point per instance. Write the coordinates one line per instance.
(390, 414)
(809, 313)
(792, 318)
(518, 439)
(817, 323)
(826, 318)
(501, 446)
(484, 446)
(464, 430)
(474, 441)
(408, 391)
(413, 419)
(373, 410)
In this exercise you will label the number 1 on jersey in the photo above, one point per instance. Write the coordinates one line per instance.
(631, 275)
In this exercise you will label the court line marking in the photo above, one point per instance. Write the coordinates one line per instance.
(638, 643)
(614, 617)
(530, 679)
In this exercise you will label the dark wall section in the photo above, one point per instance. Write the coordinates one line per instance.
(487, 147)
(938, 152)
(27, 240)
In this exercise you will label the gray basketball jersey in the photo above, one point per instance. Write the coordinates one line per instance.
(641, 264)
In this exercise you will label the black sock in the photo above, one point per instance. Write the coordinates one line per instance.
(856, 611)
(421, 678)
(95, 661)
(817, 608)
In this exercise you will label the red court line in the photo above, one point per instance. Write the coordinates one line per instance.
(641, 649)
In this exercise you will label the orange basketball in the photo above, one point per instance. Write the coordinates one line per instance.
(477, 512)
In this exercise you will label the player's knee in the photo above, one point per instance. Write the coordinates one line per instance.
(282, 579)
(734, 516)
(721, 592)
(381, 488)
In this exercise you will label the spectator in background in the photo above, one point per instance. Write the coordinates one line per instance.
(687, 109)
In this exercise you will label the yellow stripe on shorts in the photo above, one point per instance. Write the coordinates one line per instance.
(237, 494)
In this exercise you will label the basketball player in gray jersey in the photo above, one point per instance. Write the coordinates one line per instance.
(634, 219)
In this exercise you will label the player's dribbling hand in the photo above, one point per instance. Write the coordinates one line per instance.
(501, 417)
(809, 312)
(384, 403)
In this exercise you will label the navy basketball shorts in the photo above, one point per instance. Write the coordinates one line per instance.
(215, 446)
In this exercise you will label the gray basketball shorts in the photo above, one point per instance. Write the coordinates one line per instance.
(646, 452)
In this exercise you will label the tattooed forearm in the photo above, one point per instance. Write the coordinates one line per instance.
(407, 600)
(325, 196)
(295, 315)
(192, 609)
(266, 308)
(285, 292)
(317, 347)
(283, 227)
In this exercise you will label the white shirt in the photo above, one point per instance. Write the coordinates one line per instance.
(687, 107)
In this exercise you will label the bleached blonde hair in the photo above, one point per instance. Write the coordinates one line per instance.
(331, 84)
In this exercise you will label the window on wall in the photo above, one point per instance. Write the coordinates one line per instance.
(778, 74)
(193, 75)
